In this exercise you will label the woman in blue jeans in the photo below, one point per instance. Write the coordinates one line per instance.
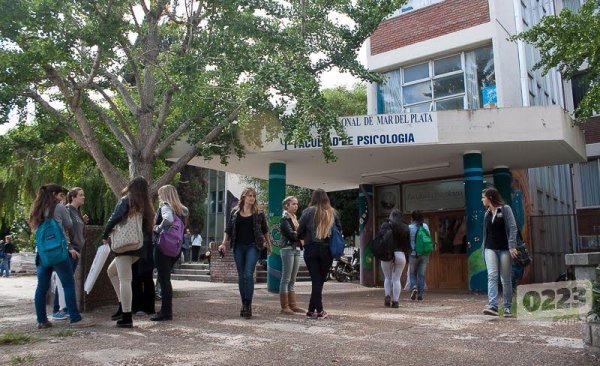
(418, 263)
(499, 245)
(246, 233)
(315, 227)
(47, 205)
(291, 248)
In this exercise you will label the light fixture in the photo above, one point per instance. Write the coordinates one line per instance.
(406, 170)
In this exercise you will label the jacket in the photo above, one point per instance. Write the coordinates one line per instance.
(119, 214)
(306, 227)
(260, 228)
(289, 235)
(401, 237)
(510, 225)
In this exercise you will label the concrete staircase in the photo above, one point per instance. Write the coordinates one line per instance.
(191, 272)
(261, 274)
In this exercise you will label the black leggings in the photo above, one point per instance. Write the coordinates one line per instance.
(318, 261)
(164, 265)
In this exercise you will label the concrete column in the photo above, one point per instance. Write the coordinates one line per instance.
(276, 195)
(365, 232)
(503, 183)
(473, 170)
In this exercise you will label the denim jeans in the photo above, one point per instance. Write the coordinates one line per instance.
(418, 266)
(5, 265)
(64, 270)
(392, 272)
(164, 265)
(245, 257)
(498, 261)
(74, 263)
(318, 261)
(290, 261)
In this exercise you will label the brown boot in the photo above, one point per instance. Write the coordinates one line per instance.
(283, 298)
(292, 303)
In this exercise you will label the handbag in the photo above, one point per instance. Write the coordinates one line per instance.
(523, 258)
(336, 243)
(127, 235)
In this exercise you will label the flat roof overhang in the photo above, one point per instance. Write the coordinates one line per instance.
(519, 138)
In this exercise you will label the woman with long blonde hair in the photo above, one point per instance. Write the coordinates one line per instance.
(291, 248)
(247, 234)
(170, 205)
(315, 227)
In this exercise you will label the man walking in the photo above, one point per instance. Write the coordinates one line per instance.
(6, 249)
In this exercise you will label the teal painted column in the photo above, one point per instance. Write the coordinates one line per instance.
(365, 233)
(503, 183)
(473, 178)
(276, 196)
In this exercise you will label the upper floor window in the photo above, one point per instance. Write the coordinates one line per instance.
(414, 5)
(572, 5)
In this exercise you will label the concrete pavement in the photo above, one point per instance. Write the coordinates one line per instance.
(446, 329)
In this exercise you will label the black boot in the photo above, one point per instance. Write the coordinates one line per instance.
(161, 316)
(126, 321)
(248, 313)
(243, 309)
(118, 315)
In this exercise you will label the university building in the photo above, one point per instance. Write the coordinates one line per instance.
(461, 108)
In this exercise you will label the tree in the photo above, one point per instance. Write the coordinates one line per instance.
(570, 42)
(152, 72)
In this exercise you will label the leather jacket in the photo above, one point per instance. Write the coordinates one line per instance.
(260, 229)
(289, 235)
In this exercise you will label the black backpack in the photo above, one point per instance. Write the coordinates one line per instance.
(383, 244)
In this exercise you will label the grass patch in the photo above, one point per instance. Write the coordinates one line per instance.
(17, 337)
(64, 333)
(17, 360)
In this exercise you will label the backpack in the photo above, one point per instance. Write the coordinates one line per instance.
(336, 243)
(170, 240)
(423, 242)
(51, 244)
(383, 244)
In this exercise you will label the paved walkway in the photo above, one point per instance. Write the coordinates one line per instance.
(446, 329)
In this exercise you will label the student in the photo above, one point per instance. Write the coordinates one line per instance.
(246, 233)
(196, 245)
(392, 270)
(135, 199)
(47, 205)
(314, 228)
(418, 263)
(291, 249)
(7, 248)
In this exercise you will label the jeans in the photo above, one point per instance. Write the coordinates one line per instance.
(164, 266)
(318, 261)
(245, 257)
(290, 261)
(120, 275)
(5, 265)
(74, 263)
(498, 261)
(64, 270)
(418, 266)
(186, 255)
(517, 274)
(392, 272)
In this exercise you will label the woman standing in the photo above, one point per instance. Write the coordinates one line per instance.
(135, 200)
(392, 270)
(290, 256)
(47, 205)
(246, 233)
(170, 205)
(499, 245)
(418, 263)
(315, 227)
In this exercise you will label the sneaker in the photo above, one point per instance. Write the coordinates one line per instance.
(413, 294)
(420, 298)
(507, 313)
(83, 323)
(490, 311)
(387, 301)
(322, 315)
(395, 304)
(60, 315)
(44, 325)
(311, 315)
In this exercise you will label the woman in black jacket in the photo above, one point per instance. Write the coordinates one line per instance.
(246, 233)
(290, 252)
(135, 200)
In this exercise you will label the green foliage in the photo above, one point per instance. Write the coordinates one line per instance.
(571, 42)
(17, 337)
(192, 192)
(19, 359)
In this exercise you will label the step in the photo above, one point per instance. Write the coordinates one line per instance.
(196, 266)
(191, 271)
(190, 277)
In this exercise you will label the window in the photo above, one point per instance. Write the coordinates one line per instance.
(412, 5)
(590, 181)
(572, 5)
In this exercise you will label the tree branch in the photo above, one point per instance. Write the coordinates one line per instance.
(131, 60)
(117, 113)
(145, 7)
(129, 102)
(162, 116)
(119, 135)
(95, 67)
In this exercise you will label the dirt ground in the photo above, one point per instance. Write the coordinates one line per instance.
(445, 329)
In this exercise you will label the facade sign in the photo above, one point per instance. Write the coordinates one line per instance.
(434, 196)
(374, 131)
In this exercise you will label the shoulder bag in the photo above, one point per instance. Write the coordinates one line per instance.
(127, 235)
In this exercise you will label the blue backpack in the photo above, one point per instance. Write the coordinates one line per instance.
(336, 243)
(51, 245)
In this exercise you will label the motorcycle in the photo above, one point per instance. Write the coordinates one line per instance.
(346, 268)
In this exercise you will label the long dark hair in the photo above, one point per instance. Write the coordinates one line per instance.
(44, 199)
(139, 200)
(324, 213)
(417, 217)
(493, 195)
